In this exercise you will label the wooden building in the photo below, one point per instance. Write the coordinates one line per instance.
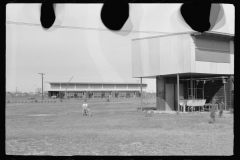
(95, 90)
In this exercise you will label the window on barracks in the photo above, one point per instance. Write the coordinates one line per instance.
(107, 93)
(97, 93)
(122, 93)
(80, 93)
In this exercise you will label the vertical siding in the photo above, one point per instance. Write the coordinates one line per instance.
(144, 57)
(165, 56)
(213, 67)
(186, 53)
(177, 58)
(212, 56)
(192, 49)
(154, 52)
(212, 61)
(177, 54)
(162, 55)
(136, 65)
(231, 57)
(203, 67)
(223, 68)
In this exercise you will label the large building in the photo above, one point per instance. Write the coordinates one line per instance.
(187, 66)
(95, 90)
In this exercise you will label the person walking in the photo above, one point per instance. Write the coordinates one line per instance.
(84, 108)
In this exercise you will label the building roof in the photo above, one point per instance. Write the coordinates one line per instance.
(92, 83)
(209, 33)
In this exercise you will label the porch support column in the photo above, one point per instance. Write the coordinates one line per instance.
(203, 88)
(178, 92)
(191, 88)
(141, 93)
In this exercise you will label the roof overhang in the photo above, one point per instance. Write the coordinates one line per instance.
(214, 35)
(193, 33)
(88, 83)
(182, 75)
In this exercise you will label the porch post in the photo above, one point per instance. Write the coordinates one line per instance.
(178, 91)
(191, 88)
(225, 97)
(203, 88)
(141, 93)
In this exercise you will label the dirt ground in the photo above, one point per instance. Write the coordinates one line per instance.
(116, 128)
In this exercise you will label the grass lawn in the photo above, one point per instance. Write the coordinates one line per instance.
(116, 128)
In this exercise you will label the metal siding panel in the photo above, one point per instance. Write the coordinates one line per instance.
(154, 52)
(207, 43)
(231, 57)
(192, 50)
(215, 44)
(177, 60)
(223, 68)
(212, 56)
(186, 53)
(136, 52)
(224, 45)
(199, 42)
(202, 56)
(145, 57)
(203, 67)
(213, 67)
(165, 55)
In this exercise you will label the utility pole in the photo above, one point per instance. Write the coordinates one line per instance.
(42, 84)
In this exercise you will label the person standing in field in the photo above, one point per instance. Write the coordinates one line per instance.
(86, 109)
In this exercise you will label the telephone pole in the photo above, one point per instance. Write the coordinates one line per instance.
(42, 84)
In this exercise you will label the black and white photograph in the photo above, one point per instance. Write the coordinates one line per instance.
(119, 79)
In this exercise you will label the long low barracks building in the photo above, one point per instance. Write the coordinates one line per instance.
(95, 90)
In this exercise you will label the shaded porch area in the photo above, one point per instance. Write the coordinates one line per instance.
(192, 90)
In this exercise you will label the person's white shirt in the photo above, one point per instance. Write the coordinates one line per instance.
(85, 105)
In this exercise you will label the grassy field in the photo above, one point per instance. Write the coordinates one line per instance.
(116, 128)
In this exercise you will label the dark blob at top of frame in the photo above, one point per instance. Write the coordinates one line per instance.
(196, 15)
(114, 15)
(47, 17)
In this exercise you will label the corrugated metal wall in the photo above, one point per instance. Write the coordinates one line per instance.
(161, 55)
(181, 54)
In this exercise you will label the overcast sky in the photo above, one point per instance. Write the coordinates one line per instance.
(89, 52)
